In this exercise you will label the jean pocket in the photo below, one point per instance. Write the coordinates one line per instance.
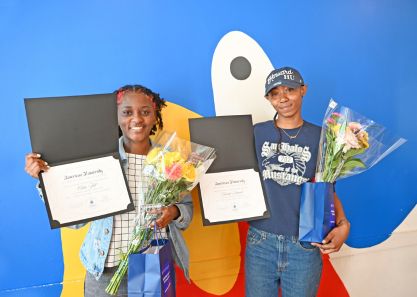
(254, 237)
(305, 245)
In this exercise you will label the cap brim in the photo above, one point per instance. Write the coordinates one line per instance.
(290, 84)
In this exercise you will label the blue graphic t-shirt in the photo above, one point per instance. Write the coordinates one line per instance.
(285, 164)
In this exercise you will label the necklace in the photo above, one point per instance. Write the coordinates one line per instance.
(292, 136)
(289, 136)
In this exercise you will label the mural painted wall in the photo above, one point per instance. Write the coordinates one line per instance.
(359, 52)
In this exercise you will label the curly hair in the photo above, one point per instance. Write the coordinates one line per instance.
(158, 102)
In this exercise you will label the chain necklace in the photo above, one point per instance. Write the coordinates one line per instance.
(289, 136)
(292, 136)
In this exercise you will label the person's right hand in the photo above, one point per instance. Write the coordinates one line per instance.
(34, 164)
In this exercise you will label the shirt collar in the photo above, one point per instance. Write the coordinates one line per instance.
(122, 152)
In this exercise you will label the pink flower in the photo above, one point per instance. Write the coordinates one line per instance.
(173, 172)
(351, 140)
(331, 121)
(355, 127)
(336, 115)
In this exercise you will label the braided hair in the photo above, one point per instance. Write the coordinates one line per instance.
(158, 102)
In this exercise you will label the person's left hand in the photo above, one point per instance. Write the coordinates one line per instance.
(335, 239)
(168, 214)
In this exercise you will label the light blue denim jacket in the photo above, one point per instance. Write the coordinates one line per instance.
(96, 244)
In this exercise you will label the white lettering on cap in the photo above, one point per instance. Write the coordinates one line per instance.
(288, 75)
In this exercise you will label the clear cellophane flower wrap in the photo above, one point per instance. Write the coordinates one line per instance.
(350, 144)
(174, 166)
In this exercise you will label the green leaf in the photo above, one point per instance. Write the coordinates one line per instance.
(343, 173)
(353, 152)
(337, 159)
(352, 164)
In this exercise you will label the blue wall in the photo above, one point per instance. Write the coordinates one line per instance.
(361, 53)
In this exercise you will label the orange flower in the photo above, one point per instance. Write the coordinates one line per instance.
(363, 139)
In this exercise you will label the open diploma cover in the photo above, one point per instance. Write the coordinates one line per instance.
(78, 137)
(231, 190)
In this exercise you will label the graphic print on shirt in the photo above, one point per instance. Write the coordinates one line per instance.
(286, 165)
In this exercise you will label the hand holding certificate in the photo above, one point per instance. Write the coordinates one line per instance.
(231, 190)
(78, 136)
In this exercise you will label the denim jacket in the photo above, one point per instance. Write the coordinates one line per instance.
(96, 244)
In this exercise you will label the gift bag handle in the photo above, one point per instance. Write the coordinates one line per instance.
(156, 232)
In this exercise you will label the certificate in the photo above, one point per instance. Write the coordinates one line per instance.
(231, 190)
(85, 190)
(232, 195)
(78, 137)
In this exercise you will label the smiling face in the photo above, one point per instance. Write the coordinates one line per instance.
(287, 101)
(136, 117)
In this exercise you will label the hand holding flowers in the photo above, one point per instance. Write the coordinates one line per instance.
(174, 167)
(166, 215)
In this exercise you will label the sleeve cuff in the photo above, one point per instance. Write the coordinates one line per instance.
(180, 218)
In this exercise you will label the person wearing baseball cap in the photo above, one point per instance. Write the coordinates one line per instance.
(285, 76)
(287, 149)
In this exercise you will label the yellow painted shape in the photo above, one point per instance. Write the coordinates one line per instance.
(176, 117)
(214, 251)
(74, 272)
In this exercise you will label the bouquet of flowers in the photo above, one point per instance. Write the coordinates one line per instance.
(174, 167)
(349, 144)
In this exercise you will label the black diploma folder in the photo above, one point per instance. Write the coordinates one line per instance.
(232, 138)
(67, 130)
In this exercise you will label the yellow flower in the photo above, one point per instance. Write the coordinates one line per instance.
(188, 172)
(335, 128)
(153, 155)
(172, 157)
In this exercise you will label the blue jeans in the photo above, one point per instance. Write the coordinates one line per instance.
(274, 261)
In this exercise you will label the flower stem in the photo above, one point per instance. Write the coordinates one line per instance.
(141, 237)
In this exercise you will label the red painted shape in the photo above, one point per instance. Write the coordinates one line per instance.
(331, 285)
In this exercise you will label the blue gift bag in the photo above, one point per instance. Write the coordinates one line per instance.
(153, 274)
(317, 215)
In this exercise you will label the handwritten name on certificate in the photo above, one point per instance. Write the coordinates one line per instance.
(86, 189)
(232, 195)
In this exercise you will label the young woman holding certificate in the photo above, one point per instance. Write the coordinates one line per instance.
(139, 116)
